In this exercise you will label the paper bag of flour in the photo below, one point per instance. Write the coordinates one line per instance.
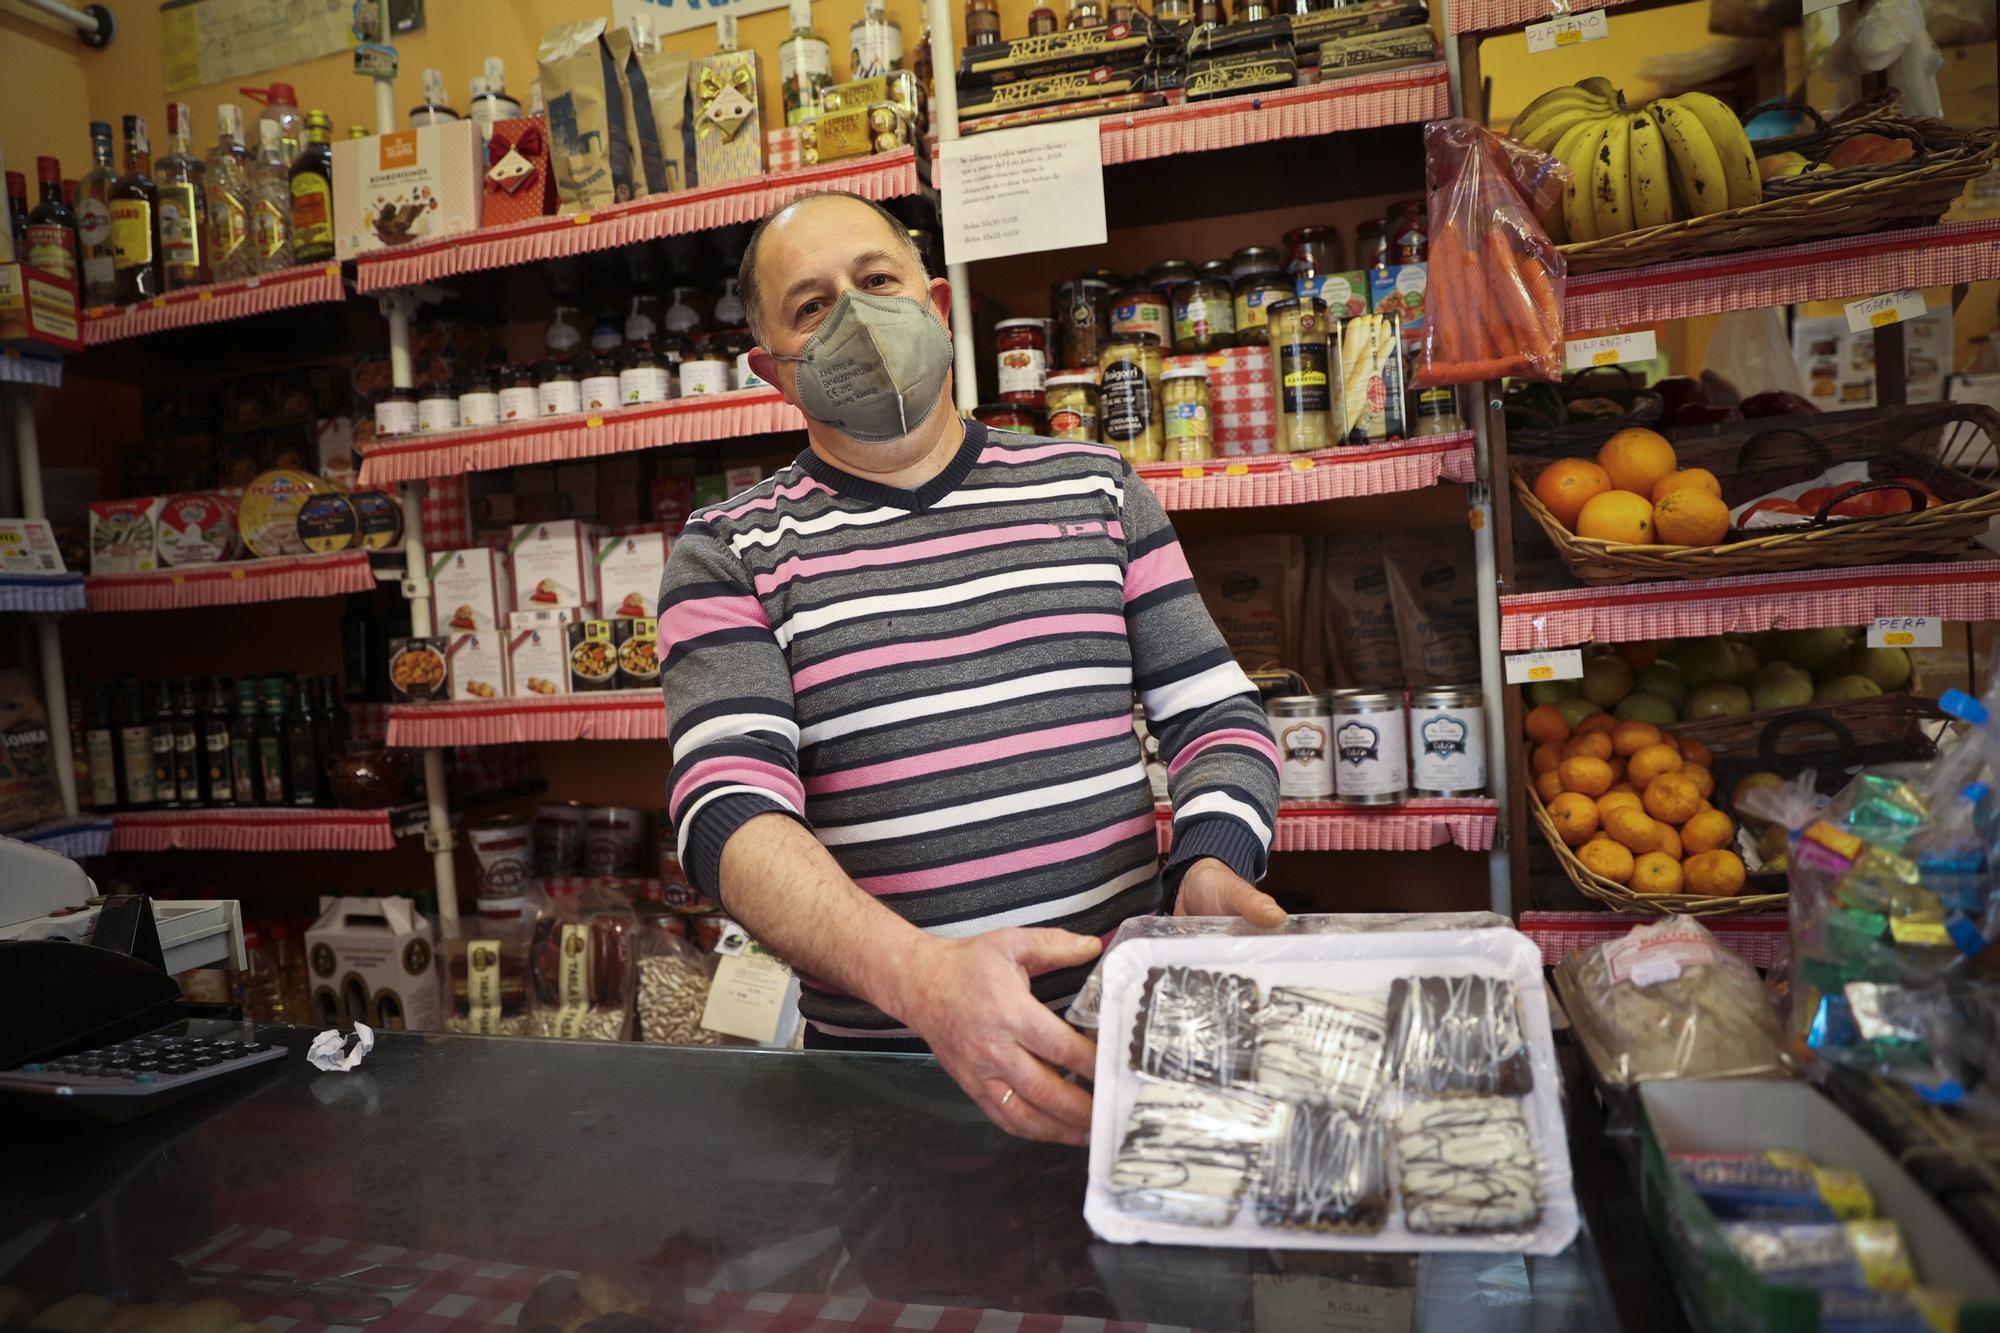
(589, 139)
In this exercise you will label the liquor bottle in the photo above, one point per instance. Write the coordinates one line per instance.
(69, 195)
(135, 748)
(183, 204)
(93, 221)
(364, 649)
(231, 252)
(272, 771)
(490, 102)
(805, 65)
(302, 764)
(875, 42)
(135, 221)
(281, 112)
(271, 206)
(357, 131)
(243, 777)
(51, 228)
(166, 784)
(187, 744)
(17, 212)
(312, 193)
(218, 780)
(432, 110)
(100, 747)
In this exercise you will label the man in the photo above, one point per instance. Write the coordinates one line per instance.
(899, 678)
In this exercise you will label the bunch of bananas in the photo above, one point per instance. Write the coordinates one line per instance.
(1678, 157)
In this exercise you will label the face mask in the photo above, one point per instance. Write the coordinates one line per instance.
(874, 371)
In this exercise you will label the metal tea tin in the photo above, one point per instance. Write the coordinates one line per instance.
(1447, 741)
(1303, 724)
(1370, 758)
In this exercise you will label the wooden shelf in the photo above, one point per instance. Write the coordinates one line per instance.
(605, 715)
(1413, 826)
(233, 583)
(1328, 474)
(309, 284)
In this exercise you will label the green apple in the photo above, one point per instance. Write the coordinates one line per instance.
(1813, 649)
(1575, 710)
(1746, 659)
(1662, 678)
(1639, 706)
(1889, 668)
(1840, 689)
(1552, 692)
(1792, 688)
(1606, 680)
(1704, 661)
(1717, 699)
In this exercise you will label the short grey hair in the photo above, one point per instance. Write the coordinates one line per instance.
(747, 286)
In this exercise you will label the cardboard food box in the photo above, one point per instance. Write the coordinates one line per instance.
(553, 566)
(629, 570)
(372, 961)
(477, 665)
(593, 656)
(1345, 294)
(38, 309)
(638, 639)
(518, 184)
(471, 590)
(28, 546)
(1366, 51)
(1240, 72)
(728, 126)
(123, 535)
(407, 186)
(1399, 290)
(538, 652)
(854, 132)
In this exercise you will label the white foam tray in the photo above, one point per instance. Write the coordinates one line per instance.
(1358, 964)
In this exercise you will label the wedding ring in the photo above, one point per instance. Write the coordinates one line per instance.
(1006, 1097)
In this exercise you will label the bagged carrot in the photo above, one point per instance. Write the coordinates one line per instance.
(1495, 286)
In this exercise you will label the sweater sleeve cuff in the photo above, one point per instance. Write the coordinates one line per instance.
(713, 826)
(1219, 836)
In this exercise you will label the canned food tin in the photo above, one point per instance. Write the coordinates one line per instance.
(611, 836)
(1303, 724)
(1370, 756)
(1447, 741)
(504, 846)
(559, 839)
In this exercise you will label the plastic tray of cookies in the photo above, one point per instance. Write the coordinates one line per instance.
(1391, 1092)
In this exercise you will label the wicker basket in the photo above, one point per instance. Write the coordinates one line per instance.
(1935, 141)
(1884, 102)
(1888, 719)
(1752, 458)
(1915, 197)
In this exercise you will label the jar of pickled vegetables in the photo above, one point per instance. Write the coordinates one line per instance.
(1072, 405)
(1302, 362)
(1129, 401)
(1184, 427)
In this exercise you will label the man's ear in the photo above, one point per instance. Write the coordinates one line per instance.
(941, 298)
(766, 367)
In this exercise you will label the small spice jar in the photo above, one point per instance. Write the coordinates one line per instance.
(1184, 425)
(1409, 232)
(1169, 275)
(1042, 21)
(598, 388)
(1082, 309)
(1010, 417)
(1128, 397)
(1139, 310)
(395, 412)
(1023, 345)
(556, 390)
(1119, 11)
(982, 22)
(705, 370)
(478, 399)
(520, 394)
(437, 407)
(1210, 13)
(735, 347)
(1072, 405)
(1205, 311)
(643, 377)
(1301, 357)
(1173, 12)
(1371, 244)
(1085, 14)
(1311, 252)
(1256, 292)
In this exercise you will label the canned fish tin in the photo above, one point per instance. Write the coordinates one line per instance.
(611, 840)
(559, 839)
(1303, 724)
(1447, 741)
(504, 848)
(1370, 757)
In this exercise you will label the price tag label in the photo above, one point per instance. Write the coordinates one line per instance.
(1610, 350)
(748, 997)
(1569, 30)
(1550, 664)
(1906, 632)
(1876, 312)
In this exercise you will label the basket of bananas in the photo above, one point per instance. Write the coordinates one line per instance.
(1677, 178)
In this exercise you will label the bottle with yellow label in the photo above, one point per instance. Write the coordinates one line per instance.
(312, 192)
(135, 222)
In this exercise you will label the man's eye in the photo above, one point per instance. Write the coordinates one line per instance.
(878, 279)
(809, 309)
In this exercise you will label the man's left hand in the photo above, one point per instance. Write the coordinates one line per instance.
(1210, 888)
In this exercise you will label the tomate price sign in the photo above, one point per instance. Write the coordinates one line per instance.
(1906, 632)
(1876, 312)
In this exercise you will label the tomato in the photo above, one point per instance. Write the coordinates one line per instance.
(1931, 497)
(1787, 507)
(1868, 504)
(1814, 499)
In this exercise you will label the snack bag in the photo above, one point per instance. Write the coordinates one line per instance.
(1496, 280)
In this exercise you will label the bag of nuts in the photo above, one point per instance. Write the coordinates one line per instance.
(486, 970)
(580, 966)
(673, 983)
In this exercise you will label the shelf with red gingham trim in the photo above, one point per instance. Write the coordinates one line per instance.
(1326, 474)
(231, 583)
(1414, 826)
(1747, 603)
(883, 176)
(1831, 270)
(1757, 937)
(606, 715)
(1498, 15)
(720, 416)
(308, 284)
(253, 830)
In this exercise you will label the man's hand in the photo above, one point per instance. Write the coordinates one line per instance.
(969, 998)
(1210, 888)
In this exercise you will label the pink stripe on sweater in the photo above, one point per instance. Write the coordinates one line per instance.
(994, 453)
(1156, 569)
(1015, 862)
(938, 650)
(798, 491)
(1255, 740)
(706, 615)
(774, 778)
(907, 553)
(963, 756)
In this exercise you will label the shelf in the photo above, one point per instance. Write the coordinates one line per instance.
(233, 583)
(1747, 603)
(256, 830)
(719, 416)
(1833, 270)
(882, 176)
(606, 715)
(308, 284)
(1493, 16)
(85, 835)
(41, 592)
(1413, 826)
(674, 893)
(40, 369)
(1328, 474)
(1757, 937)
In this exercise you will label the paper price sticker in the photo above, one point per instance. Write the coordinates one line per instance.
(1906, 632)
(1552, 664)
(1570, 30)
(1610, 350)
(1876, 312)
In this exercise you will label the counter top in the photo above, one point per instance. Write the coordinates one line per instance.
(743, 1189)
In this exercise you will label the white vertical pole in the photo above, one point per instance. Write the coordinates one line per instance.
(48, 647)
(944, 124)
(385, 89)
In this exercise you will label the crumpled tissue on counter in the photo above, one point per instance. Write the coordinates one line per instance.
(328, 1049)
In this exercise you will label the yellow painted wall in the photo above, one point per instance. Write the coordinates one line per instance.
(44, 99)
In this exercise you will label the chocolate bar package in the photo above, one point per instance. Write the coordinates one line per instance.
(1096, 106)
(1059, 51)
(1260, 34)
(1137, 76)
(1240, 72)
(1375, 50)
(1311, 31)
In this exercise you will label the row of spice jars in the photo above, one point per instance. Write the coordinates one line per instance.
(1150, 406)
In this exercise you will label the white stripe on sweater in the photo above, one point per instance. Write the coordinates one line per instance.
(852, 608)
(907, 710)
(996, 495)
(1222, 803)
(734, 724)
(839, 518)
(1197, 691)
(974, 812)
(686, 821)
(1053, 910)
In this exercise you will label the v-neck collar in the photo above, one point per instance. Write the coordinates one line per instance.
(923, 497)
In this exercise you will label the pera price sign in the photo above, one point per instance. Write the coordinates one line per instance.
(1906, 632)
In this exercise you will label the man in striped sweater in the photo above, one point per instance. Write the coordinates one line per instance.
(899, 680)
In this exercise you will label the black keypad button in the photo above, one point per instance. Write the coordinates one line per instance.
(177, 1067)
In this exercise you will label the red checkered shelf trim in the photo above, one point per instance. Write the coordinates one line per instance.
(1491, 15)
(883, 176)
(275, 830)
(1364, 101)
(1414, 826)
(607, 715)
(233, 583)
(1744, 604)
(1757, 937)
(1328, 474)
(308, 284)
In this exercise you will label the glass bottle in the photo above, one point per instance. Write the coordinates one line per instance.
(302, 764)
(270, 743)
(432, 110)
(281, 111)
(243, 777)
(232, 253)
(262, 1000)
(100, 747)
(188, 761)
(319, 721)
(183, 205)
(288, 960)
(339, 730)
(1042, 21)
(490, 102)
(135, 221)
(93, 221)
(875, 42)
(362, 648)
(135, 748)
(166, 784)
(218, 779)
(271, 202)
(51, 228)
(805, 65)
(17, 211)
(312, 193)
(982, 22)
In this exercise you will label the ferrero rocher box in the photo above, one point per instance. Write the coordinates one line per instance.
(899, 87)
(853, 132)
(728, 126)
(371, 961)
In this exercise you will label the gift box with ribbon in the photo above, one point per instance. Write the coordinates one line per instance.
(728, 126)
(519, 184)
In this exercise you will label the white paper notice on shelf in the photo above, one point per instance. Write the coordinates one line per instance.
(1012, 192)
(1569, 30)
(1550, 664)
(749, 996)
(1610, 349)
(1906, 632)
(1876, 312)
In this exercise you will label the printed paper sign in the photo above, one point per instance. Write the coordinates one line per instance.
(1569, 30)
(1012, 192)
(1610, 350)
(748, 996)
(1877, 312)
(1553, 664)
(1906, 632)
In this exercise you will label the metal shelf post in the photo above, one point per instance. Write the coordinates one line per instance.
(48, 645)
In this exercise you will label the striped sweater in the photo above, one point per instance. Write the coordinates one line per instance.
(938, 682)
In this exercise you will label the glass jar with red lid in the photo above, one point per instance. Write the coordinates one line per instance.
(1023, 346)
(1016, 417)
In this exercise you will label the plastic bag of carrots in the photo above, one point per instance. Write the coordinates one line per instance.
(1495, 289)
